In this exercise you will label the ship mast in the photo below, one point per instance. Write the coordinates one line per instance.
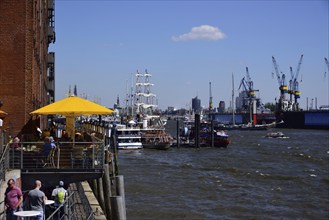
(139, 91)
(145, 99)
(233, 108)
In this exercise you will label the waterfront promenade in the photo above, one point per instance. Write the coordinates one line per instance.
(92, 169)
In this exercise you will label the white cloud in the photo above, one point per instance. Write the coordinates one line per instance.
(203, 32)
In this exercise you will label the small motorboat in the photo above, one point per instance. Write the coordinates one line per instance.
(278, 134)
(221, 139)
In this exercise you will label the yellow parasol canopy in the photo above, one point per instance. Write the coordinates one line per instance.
(73, 106)
(3, 113)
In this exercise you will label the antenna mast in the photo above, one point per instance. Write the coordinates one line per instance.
(210, 98)
(233, 109)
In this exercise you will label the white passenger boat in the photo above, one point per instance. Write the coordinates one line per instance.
(128, 138)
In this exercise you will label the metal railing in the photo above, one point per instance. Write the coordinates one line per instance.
(69, 209)
(4, 163)
(76, 155)
(76, 206)
(4, 160)
(2, 213)
(65, 210)
(3, 154)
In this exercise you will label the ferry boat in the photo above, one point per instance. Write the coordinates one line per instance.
(156, 139)
(128, 138)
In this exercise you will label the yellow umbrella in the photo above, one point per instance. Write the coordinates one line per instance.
(3, 113)
(72, 106)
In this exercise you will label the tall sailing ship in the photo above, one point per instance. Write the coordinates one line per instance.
(142, 107)
(153, 131)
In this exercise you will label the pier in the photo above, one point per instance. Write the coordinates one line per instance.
(87, 168)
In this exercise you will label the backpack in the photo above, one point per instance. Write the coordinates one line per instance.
(61, 197)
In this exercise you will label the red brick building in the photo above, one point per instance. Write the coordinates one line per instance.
(27, 73)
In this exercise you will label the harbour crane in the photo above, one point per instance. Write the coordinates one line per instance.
(210, 98)
(248, 86)
(327, 63)
(291, 84)
(283, 104)
(296, 85)
(243, 83)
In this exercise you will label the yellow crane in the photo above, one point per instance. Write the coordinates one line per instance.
(294, 85)
(283, 104)
(251, 91)
(248, 86)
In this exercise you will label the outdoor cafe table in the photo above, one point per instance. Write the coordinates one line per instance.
(27, 213)
(48, 210)
(49, 202)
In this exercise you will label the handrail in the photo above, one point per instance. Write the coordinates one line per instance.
(4, 162)
(69, 203)
(77, 155)
(3, 212)
(71, 207)
(4, 152)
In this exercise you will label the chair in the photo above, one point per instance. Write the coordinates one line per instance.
(88, 158)
(50, 158)
(99, 157)
(77, 157)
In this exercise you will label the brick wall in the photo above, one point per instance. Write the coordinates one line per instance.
(23, 60)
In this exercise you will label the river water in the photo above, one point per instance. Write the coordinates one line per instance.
(254, 178)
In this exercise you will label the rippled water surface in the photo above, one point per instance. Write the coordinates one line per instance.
(254, 178)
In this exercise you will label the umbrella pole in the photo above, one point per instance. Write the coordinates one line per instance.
(73, 132)
(58, 155)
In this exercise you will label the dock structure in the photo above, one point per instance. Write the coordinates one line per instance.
(85, 197)
(88, 175)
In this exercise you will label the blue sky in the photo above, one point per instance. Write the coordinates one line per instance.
(187, 44)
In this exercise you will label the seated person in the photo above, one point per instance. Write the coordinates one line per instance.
(48, 145)
(15, 144)
(45, 133)
(87, 137)
(65, 136)
(79, 137)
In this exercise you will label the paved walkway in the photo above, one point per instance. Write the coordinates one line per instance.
(83, 200)
(79, 207)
